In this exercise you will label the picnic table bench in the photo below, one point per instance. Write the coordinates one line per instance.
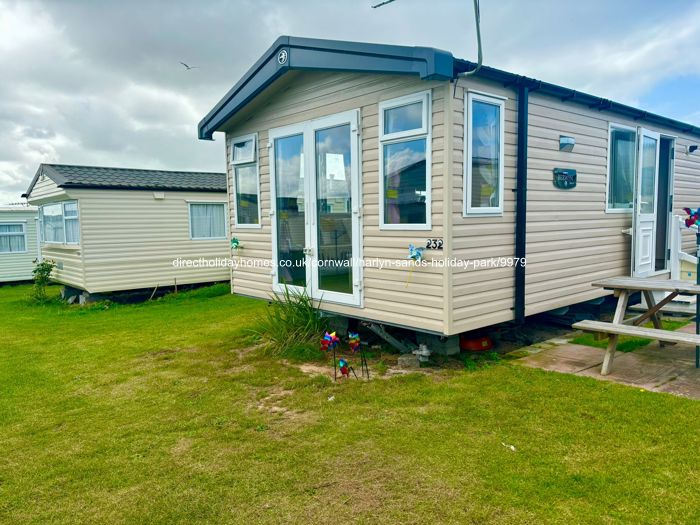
(625, 286)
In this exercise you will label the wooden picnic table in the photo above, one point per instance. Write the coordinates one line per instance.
(625, 286)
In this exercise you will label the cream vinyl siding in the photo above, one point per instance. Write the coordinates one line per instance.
(298, 97)
(18, 266)
(481, 297)
(571, 240)
(129, 239)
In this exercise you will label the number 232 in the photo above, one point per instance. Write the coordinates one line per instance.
(434, 244)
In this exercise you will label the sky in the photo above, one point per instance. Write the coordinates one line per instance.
(100, 83)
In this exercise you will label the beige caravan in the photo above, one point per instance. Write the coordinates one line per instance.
(340, 155)
(115, 229)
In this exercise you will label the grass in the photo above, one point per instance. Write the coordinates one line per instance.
(159, 413)
(627, 343)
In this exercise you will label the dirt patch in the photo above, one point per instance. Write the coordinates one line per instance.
(165, 352)
(271, 403)
(316, 370)
(182, 446)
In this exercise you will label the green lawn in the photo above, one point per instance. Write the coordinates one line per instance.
(157, 414)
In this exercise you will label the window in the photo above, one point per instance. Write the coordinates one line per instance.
(246, 181)
(621, 158)
(60, 223)
(404, 145)
(484, 169)
(13, 238)
(208, 220)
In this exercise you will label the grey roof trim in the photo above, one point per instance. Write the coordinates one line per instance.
(108, 178)
(574, 96)
(427, 63)
(325, 55)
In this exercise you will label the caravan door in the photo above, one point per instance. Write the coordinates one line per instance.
(645, 205)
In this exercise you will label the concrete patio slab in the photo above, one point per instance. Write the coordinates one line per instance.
(668, 369)
(567, 358)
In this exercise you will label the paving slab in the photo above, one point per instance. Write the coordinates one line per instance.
(687, 384)
(568, 358)
(668, 369)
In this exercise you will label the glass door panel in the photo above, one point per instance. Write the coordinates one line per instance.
(290, 210)
(334, 209)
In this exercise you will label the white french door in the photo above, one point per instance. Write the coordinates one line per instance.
(315, 213)
(645, 205)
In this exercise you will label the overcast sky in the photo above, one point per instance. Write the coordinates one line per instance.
(97, 82)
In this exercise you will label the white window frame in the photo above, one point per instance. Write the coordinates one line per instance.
(495, 100)
(243, 164)
(189, 221)
(63, 216)
(623, 127)
(245, 138)
(15, 234)
(425, 131)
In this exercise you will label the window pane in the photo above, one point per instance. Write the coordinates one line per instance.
(72, 231)
(485, 152)
(70, 209)
(244, 151)
(11, 228)
(207, 221)
(52, 218)
(405, 182)
(334, 200)
(621, 183)
(290, 217)
(12, 238)
(247, 195)
(403, 118)
(647, 183)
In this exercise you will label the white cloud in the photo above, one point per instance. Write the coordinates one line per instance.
(100, 83)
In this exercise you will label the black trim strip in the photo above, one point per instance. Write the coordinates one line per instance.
(521, 203)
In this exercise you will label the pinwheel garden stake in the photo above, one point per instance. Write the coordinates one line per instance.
(329, 342)
(354, 344)
(415, 254)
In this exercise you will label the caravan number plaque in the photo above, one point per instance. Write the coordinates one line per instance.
(433, 244)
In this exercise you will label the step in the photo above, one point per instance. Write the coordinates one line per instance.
(638, 331)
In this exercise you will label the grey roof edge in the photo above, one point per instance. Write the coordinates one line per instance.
(427, 63)
(49, 171)
(38, 173)
(575, 96)
(325, 55)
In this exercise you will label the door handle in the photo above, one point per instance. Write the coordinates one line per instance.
(308, 251)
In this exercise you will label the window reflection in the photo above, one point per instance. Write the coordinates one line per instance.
(405, 182)
(334, 201)
(289, 175)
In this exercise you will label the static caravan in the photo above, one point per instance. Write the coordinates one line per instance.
(19, 246)
(115, 229)
(522, 192)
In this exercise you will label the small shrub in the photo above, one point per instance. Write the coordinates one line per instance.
(292, 325)
(381, 367)
(42, 277)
